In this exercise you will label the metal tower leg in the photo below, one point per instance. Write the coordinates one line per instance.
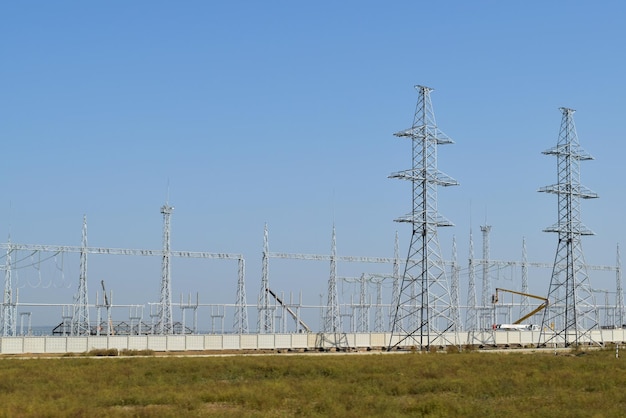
(572, 314)
(424, 294)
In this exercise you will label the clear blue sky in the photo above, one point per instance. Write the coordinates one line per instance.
(283, 112)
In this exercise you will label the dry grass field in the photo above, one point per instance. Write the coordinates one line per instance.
(470, 384)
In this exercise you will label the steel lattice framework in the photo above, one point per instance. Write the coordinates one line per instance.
(266, 310)
(8, 323)
(572, 313)
(80, 318)
(166, 325)
(423, 313)
(332, 321)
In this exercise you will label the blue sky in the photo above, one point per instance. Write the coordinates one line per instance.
(283, 112)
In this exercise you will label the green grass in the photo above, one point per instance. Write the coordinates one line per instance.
(387, 385)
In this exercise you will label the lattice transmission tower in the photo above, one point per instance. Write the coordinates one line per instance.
(266, 310)
(166, 326)
(80, 317)
(8, 312)
(332, 322)
(572, 314)
(423, 312)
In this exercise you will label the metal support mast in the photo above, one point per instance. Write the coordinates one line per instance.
(619, 302)
(424, 294)
(332, 324)
(240, 322)
(486, 295)
(8, 306)
(166, 325)
(471, 319)
(80, 317)
(266, 311)
(525, 303)
(395, 290)
(454, 285)
(573, 315)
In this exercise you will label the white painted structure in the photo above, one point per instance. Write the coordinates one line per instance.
(60, 345)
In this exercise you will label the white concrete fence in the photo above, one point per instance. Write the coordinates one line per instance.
(223, 342)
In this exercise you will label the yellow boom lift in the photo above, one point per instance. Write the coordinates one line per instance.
(494, 300)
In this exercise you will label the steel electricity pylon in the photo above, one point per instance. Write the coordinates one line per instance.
(572, 314)
(8, 312)
(80, 317)
(332, 322)
(265, 307)
(423, 312)
(166, 325)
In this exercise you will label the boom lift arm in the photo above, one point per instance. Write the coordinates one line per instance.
(494, 300)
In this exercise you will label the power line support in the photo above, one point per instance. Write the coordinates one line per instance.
(80, 318)
(166, 325)
(424, 302)
(266, 310)
(572, 314)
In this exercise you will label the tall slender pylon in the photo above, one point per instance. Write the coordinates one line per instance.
(619, 302)
(487, 291)
(572, 314)
(395, 287)
(525, 303)
(8, 304)
(424, 302)
(240, 320)
(80, 317)
(455, 272)
(166, 325)
(471, 318)
(332, 323)
(266, 310)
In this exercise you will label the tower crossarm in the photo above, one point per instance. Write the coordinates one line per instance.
(575, 190)
(437, 177)
(418, 218)
(569, 151)
(418, 132)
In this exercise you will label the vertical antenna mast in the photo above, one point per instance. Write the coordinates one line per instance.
(573, 314)
(424, 299)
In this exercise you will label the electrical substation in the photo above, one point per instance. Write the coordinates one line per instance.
(420, 301)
